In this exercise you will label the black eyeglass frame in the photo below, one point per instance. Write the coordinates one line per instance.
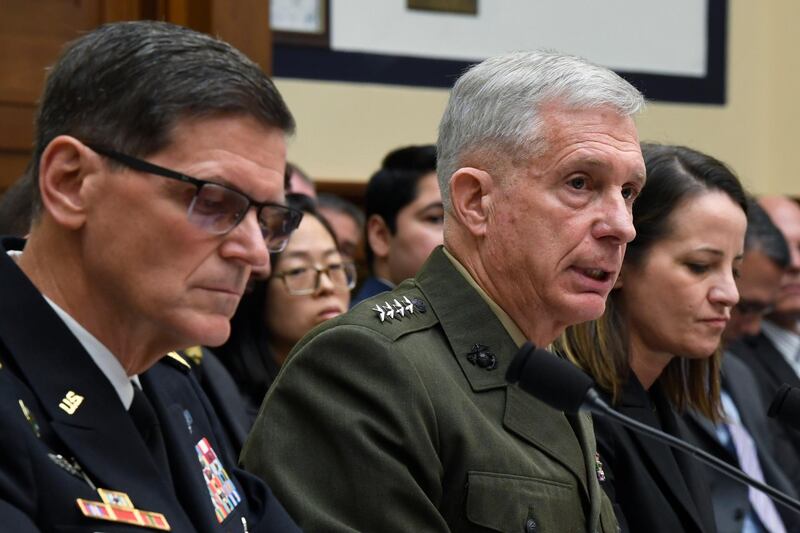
(349, 268)
(291, 215)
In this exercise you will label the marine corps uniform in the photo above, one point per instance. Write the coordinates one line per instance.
(71, 458)
(397, 417)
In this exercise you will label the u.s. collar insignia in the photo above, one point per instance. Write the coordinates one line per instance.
(117, 507)
(396, 309)
(70, 403)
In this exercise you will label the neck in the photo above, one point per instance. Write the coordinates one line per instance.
(646, 364)
(788, 322)
(536, 323)
(52, 262)
(280, 351)
(380, 269)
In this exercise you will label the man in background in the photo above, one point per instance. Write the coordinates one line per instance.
(396, 416)
(347, 221)
(158, 186)
(774, 354)
(404, 214)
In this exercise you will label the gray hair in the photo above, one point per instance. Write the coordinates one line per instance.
(495, 105)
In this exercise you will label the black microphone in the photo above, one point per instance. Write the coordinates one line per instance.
(563, 386)
(785, 407)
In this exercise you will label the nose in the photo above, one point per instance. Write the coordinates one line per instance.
(615, 221)
(326, 285)
(724, 292)
(246, 243)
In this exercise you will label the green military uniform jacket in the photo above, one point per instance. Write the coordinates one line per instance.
(390, 418)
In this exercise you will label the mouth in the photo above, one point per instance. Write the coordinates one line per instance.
(596, 274)
(719, 322)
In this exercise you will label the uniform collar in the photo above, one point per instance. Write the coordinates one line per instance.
(508, 323)
(106, 361)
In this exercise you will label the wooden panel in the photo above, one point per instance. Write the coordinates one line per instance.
(31, 37)
(244, 24)
(17, 130)
(12, 165)
(348, 190)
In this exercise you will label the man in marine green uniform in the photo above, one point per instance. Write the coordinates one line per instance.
(397, 416)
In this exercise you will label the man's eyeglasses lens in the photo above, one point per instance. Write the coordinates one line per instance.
(306, 280)
(218, 209)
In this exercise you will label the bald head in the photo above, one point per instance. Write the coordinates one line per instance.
(785, 214)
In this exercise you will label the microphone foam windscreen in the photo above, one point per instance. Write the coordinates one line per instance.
(553, 380)
(785, 407)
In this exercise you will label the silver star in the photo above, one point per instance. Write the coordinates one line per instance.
(399, 308)
(389, 310)
(379, 309)
(409, 305)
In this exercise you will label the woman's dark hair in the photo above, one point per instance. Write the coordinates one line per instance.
(247, 354)
(675, 174)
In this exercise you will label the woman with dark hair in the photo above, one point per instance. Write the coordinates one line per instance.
(310, 283)
(655, 350)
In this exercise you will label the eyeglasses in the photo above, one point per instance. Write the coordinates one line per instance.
(217, 208)
(306, 279)
(752, 307)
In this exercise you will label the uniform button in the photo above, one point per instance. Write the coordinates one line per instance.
(738, 515)
(530, 525)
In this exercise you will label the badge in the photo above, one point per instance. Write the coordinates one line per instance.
(598, 466)
(117, 507)
(70, 403)
(224, 495)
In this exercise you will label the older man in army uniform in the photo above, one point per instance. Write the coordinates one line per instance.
(158, 166)
(397, 416)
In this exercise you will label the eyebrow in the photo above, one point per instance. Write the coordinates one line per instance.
(716, 252)
(432, 205)
(592, 161)
(302, 254)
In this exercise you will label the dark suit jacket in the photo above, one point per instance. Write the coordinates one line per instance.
(730, 496)
(371, 287)
(770, 371)
(224, 395)
(393, 426)
(653, 489)
(50, 457)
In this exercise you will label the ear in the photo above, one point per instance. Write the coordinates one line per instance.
(470, 190)
(63, 169)
(378, 236)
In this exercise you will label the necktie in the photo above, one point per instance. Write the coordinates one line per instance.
(748, 461)
(145, 419)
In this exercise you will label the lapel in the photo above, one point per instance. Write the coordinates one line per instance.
(774, 363)
(636, 404)
(467, 320)
(99, 433)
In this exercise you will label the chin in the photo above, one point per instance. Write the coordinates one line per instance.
(587, 307)
(210, 331)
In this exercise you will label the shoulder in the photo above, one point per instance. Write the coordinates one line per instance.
(386, 317)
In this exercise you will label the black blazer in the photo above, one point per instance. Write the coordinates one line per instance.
(653, 489)
(730, 496)
(50, 456)
(770, 371)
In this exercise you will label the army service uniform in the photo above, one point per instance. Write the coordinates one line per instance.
(397, 417)
(71, 458)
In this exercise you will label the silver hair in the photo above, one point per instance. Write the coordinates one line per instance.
(495, 105)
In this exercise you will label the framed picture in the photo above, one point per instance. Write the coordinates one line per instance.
(464, 7)
(300, 22)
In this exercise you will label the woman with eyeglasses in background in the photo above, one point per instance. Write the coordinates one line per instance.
(310, 283)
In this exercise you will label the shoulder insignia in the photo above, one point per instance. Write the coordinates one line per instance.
(195, 353)
(398, 309)
(180, 360)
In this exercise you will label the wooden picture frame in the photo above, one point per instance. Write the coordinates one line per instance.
(300, 22)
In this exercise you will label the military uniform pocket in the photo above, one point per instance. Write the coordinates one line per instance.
(517, 504)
